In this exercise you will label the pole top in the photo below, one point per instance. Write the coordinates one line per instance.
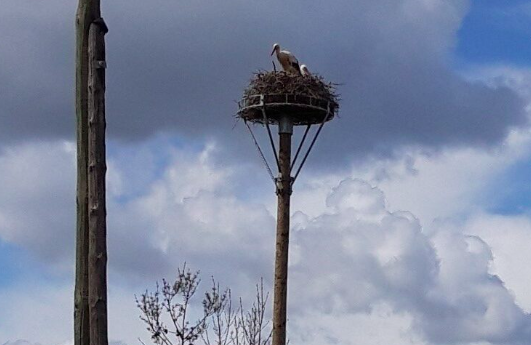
(306, 100)
(285, 125)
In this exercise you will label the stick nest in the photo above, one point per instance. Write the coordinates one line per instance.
(307, 99)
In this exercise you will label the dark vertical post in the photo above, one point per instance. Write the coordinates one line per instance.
(97, 169)
(87, 11)
(285, 130)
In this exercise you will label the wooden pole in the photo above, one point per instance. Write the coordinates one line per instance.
(87, 12)
(97, 169)
(282, 241)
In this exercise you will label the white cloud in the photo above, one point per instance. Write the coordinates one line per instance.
(514, 77)
(451, 183)
(37, 208)
(362, 269)
(20, 342)
(374, 264)
(43, 313)
(190, 214)
(369, 255)
(37, 311)
(508, 236)
(380, 326)
(442, 184)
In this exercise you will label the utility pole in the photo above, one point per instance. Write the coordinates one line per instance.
(271, 99)
(97, 169)
(283, 184)
(88, 12)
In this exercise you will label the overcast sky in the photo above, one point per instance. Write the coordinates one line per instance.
(416, 199)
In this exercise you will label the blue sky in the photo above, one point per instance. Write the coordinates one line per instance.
(12, 264)
(515, 196)
(496, 32)
(19, 267)
(499, 32)
(423, 171)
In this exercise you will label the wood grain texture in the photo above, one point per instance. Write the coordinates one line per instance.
(87, 11)
(97, 170)
(282, 242)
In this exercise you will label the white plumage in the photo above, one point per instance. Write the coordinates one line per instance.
(305, 71)
(289, 62)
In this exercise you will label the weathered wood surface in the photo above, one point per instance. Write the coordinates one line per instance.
(87, 11)
(97, 169)
(282, 242)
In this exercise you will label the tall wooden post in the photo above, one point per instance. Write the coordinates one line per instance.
(262, 105)
(97, 169)
(285, 129)
(87, 12)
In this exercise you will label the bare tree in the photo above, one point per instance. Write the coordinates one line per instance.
(174, 301)
(251, 325)
(166, 312)
(221, 330)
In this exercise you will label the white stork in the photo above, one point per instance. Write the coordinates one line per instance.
(288, 61)
(304, 71)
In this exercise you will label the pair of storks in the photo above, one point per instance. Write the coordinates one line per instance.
(289, 62)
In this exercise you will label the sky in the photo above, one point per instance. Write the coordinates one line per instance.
(410, 221)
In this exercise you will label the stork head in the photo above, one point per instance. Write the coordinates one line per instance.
(304, 70)
(276, 48)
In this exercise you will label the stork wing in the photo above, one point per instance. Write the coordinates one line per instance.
(292, 58)
(294, 62)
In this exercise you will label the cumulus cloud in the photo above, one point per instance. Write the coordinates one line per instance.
(215, 228)
(514, 77)
(508, 236)
(380, 326)
(437, 282)
(370, 255)
(182, 64)
(41, 313)
(37, 203)
(438, 185)
(191, 193)
(20, 342)
(430, 284)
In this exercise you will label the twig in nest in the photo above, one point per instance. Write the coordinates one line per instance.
(270, 83)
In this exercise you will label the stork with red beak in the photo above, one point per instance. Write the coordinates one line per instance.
(289, 62)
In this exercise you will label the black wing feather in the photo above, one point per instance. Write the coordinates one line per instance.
(295, 64)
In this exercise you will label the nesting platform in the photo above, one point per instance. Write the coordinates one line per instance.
(306, 100)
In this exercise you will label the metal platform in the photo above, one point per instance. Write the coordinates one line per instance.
(303, 110)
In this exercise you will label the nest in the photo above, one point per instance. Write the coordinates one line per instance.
(306, 99)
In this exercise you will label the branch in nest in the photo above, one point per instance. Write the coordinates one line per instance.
(271, 83)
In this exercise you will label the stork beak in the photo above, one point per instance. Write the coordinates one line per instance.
(273, 52)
